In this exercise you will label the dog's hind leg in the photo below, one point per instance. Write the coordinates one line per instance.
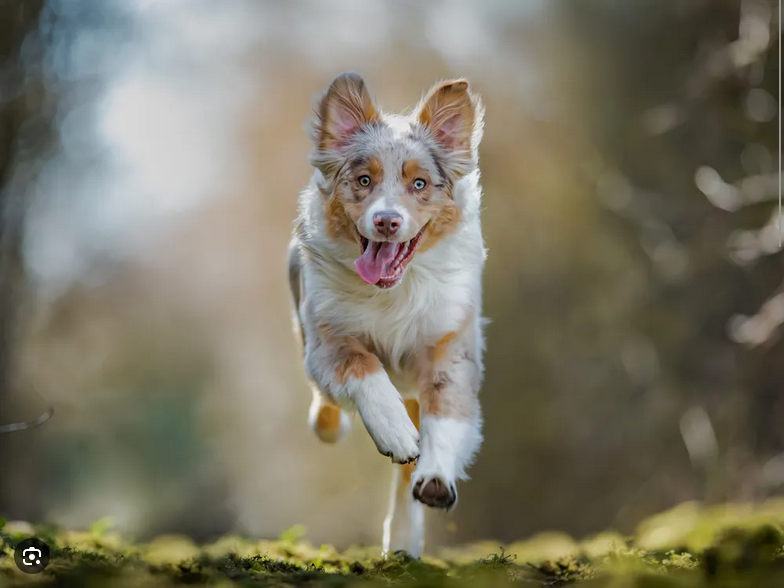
(416, 519)
(326, 419)
(389, 520)
(408, 534)
(416, 510)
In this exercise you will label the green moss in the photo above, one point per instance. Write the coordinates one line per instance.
(687, 547)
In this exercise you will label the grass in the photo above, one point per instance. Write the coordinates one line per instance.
(691, 546)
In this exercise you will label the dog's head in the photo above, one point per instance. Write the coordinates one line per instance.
(389, 179)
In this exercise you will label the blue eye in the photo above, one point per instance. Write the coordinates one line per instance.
(419, 184)
(364, 181)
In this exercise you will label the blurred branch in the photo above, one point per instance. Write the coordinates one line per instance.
(759, 329)
(714, 65)
(700, 439)
(29, 424)
(731, 197)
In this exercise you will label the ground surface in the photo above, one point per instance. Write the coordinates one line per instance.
(690, 546)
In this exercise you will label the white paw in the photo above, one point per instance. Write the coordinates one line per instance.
(447, 448)
(398, 439)
(435, 489)
(392, 431)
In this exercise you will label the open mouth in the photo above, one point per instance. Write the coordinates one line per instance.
(382, 263)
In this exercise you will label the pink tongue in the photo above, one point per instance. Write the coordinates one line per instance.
(376, 259)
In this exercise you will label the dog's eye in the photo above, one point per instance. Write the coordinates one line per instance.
(419, 184)
(364, 181)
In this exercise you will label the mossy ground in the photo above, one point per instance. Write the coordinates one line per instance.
(689, 546)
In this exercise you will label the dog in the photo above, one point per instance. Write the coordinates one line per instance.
(385, 268)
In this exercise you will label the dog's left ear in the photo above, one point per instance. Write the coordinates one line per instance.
(455, 117)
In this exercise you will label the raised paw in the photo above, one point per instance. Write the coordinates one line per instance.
(402, 461)
(435, 492)
(393, 432)
(401, 446)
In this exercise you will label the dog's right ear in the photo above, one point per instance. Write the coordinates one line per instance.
(342, 111)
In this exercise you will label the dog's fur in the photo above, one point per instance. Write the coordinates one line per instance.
(418, 329)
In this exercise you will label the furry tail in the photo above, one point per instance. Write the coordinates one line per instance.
(295, 273)
(295, 284)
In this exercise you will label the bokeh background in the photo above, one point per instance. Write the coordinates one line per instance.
(150, 158)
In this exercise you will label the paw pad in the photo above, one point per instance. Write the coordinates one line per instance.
(435, 493)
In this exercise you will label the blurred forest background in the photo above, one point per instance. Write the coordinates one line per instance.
(150, 158)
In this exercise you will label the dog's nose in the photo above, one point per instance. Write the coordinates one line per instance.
(387, 222)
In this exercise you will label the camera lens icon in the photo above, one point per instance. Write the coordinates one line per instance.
(31, 556)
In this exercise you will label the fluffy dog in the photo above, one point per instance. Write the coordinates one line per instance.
(386, 275)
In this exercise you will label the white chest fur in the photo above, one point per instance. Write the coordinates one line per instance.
(400, 321)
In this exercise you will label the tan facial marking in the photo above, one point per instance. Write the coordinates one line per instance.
(371, 167)
(339, 222)
(444, 224)
(411, 171)
(375, 169)
(342, 211)
(440, 218)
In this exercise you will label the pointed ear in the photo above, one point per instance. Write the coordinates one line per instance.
(342, 111)
(454, 117)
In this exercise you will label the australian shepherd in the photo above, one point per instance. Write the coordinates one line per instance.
(386, 274)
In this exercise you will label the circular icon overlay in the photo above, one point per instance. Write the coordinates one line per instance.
(32, 556)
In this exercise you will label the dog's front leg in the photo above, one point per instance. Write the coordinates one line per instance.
(350, 374)
(451, 421)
